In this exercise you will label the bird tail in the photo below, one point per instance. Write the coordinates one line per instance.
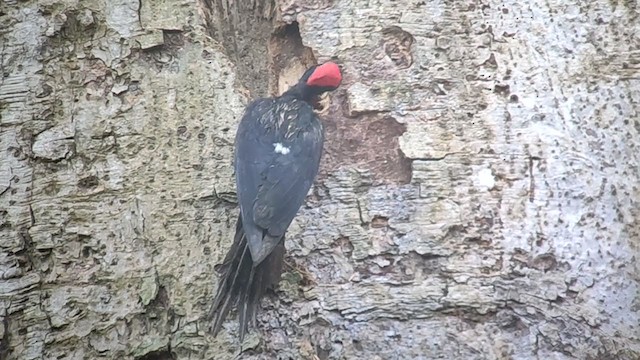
(242, 283)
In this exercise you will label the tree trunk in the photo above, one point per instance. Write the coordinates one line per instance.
(478, 197)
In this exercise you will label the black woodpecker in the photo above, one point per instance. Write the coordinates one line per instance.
(278, 148)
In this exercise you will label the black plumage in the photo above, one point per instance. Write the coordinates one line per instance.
(278, 148)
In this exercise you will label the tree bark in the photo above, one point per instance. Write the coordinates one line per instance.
(478, 197)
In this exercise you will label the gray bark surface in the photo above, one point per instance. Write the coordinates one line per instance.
(478, 197)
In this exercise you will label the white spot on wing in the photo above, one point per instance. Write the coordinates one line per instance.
(281, 149)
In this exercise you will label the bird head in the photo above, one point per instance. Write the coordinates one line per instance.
(316, 80)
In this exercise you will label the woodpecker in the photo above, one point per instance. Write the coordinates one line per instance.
(278, 146)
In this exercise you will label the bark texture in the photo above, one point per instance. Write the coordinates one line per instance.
(478, 197)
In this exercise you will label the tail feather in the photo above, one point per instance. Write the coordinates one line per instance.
(231, 271)
(244, 306)
(267, 275)
(244, 284)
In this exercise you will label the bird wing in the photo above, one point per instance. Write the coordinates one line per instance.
(278, 151)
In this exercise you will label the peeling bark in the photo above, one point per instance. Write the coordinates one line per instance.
(477, 198)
